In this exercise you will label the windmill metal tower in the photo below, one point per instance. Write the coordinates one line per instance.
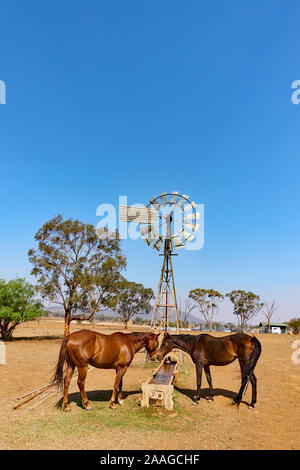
(167, 222)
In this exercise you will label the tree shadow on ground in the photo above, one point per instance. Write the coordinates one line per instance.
(38, 338)
(95, 396)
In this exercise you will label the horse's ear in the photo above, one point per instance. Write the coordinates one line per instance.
(155, 334)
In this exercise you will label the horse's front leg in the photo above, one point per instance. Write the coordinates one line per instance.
(199, 368)
(209, 381)
(120, 372)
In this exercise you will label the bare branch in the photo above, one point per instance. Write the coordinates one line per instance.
(268, 311)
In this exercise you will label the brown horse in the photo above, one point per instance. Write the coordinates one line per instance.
(206, 350)
(114, 351)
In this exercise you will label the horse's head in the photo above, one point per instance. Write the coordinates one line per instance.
(165, 347)
(152, 345)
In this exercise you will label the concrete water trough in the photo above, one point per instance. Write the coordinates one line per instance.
(158, 390)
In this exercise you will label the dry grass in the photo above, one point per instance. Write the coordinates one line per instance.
(274, 424)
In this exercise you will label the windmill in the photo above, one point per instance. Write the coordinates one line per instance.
(168, 222)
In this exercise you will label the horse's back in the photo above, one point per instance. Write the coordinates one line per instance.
(223, 350)
(97, 349)
(85, 336)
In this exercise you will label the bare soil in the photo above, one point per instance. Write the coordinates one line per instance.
(32, 356)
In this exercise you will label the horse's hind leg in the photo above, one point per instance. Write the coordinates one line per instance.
(238, 398)
(67, 379)
(82, 371)
(120, 395)
(209, 381)
(254, 391)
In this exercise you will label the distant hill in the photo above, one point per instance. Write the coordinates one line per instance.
(57, 311)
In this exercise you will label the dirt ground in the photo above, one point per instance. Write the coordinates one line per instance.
(31, 358)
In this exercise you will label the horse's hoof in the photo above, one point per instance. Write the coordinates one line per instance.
(121, 402)
(210, 400)
(195, 402)
(88, 408)
(113, 406)
(66, 408)
(251, 407)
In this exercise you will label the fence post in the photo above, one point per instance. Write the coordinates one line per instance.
(2, 352)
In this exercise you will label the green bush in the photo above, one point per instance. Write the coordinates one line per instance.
(17, 305)
(294, 324)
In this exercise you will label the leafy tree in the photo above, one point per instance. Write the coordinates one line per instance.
(138, 321)
(208, 301)
(75, 268)
(133, 299)
(230, 326)
(246, 306)
(17, 305)
(294, 324)
(217, 326)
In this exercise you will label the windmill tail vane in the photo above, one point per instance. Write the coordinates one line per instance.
(167, 222)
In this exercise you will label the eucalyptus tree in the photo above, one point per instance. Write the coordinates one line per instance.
(133, 299)
(208, 302)
(75, 268)
(246, 306)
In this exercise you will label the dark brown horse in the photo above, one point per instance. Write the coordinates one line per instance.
(114, 351)
(206, 350)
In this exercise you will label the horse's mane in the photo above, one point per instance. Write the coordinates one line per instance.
(186, 339)
(138, 337)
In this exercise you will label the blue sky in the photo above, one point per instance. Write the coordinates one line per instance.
(136, 98)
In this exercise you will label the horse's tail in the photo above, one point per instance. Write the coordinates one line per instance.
(256, 352)
(255, 355)
(59, 369)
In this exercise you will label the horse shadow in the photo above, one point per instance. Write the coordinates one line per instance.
(190, 393)
(95, 396)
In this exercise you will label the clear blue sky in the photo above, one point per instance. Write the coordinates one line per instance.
(136, 98)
